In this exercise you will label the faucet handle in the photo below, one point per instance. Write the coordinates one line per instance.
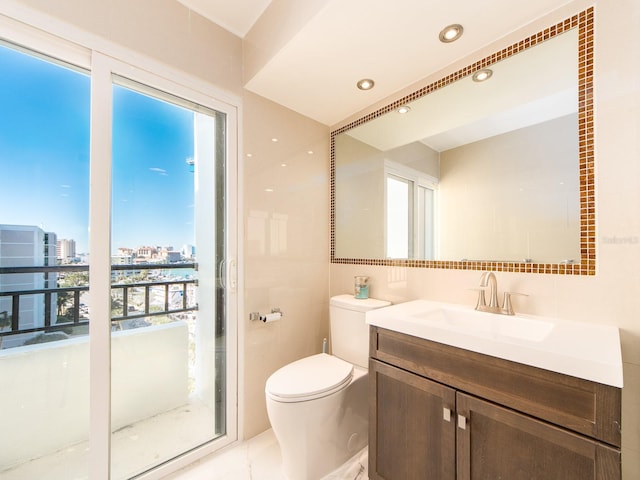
(482, 302)
(507, 307)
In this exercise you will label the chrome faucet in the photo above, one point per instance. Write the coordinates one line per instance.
(488, 279)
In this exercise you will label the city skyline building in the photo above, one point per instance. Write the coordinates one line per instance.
(27, 246)
(66, 249)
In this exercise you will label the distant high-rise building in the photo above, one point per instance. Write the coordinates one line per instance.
(66, 249)
(170, 256)
(188, 251)
(121, 259)
(27, 246)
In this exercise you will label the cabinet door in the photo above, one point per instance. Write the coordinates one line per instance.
(494, 442)
(411, 422)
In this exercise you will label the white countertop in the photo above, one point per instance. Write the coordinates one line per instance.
(584, 350)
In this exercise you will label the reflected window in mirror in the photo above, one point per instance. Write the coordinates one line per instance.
(410, 227)
(399, 224)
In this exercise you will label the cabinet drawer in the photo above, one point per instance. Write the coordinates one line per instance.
(580, 405)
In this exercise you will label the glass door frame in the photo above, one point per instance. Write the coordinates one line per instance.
(102, 70)
(39, 32)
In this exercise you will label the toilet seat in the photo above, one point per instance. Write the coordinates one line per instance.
(309, 378)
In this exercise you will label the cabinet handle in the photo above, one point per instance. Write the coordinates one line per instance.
(446, 414)
(462, 422)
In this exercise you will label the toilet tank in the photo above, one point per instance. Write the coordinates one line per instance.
(349, 330)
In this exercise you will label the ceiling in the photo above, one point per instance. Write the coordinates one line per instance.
(312, 62)
(237, 16)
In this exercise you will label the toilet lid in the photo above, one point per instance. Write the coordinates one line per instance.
(309, 378)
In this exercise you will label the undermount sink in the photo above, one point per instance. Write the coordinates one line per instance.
(487, 324)
(584, 350)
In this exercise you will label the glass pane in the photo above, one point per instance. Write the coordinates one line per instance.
(44, 305)
(166, 312)
(398, 208)
(426, 223)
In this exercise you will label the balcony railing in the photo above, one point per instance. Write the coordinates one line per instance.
(121, 291)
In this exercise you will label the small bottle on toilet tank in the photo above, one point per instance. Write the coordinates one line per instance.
(361, 287)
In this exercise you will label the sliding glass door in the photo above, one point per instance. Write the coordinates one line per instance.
(168, 377)
(118, 301)
(44, 193)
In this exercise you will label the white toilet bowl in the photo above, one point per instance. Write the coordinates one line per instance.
(318, 406)
(322, 424)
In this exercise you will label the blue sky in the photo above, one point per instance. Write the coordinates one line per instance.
(44, 157)
(152, 182)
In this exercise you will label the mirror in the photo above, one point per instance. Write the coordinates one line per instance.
(494, 175)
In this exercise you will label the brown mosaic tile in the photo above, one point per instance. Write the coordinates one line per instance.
(584, 21)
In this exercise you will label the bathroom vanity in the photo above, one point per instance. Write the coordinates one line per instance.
(445, 405)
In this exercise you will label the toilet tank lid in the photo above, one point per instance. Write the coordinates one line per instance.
(358, 304)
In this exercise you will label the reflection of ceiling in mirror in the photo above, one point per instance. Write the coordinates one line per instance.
(545, 77)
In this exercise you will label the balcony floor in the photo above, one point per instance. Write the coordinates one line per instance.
(257, 458)
(135, 448)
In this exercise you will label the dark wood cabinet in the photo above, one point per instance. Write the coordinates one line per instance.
(439, 412)
(500, 443)
(405, 407)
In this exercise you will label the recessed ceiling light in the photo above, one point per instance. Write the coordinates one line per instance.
(310, 152)
(451, 33)
(404, 109)
(482, 75)
(365, 84)
(274, 140)
(249, 155)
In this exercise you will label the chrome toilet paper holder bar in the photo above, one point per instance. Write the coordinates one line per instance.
(253, 316)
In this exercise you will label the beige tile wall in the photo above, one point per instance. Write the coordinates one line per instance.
(286, 245)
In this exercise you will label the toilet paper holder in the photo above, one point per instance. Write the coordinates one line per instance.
(275, 314)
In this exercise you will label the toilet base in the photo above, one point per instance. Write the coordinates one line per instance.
(318, 436)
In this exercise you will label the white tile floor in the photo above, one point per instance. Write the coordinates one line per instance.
(259, 459)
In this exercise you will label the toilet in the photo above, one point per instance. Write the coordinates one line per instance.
(318, 406)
